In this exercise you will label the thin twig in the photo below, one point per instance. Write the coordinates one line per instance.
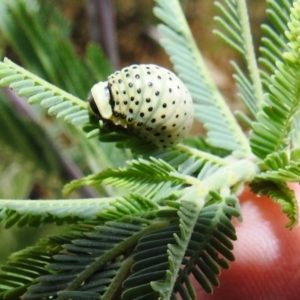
(103, 28)
(70, 170)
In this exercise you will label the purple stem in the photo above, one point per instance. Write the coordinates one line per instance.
(71, 170)
(103, 28)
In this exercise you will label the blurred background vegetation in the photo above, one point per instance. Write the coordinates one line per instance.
(74, 44)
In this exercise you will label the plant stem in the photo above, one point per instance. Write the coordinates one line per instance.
(70, 170)
(103, 28)
(202, 155)
(240, 171)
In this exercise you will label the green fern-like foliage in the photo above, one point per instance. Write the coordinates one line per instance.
(210, 106)
(60, 104)
(170, 216)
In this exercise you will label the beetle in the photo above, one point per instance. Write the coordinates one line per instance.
(146, 100)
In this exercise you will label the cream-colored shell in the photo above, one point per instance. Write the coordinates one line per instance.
(148, 100)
